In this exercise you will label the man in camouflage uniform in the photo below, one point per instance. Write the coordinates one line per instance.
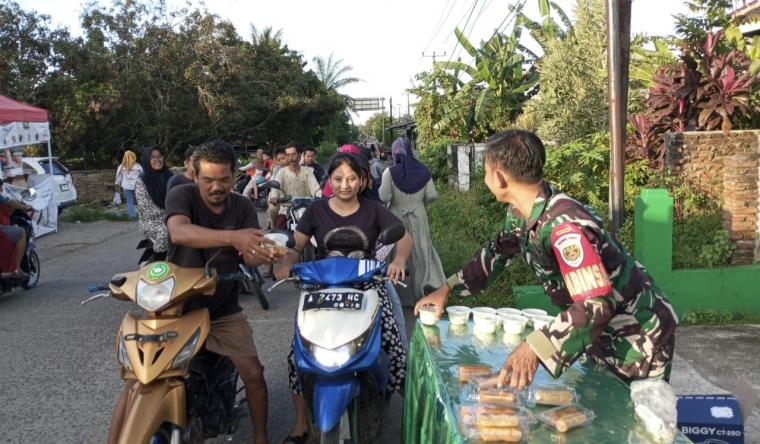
(612, 309)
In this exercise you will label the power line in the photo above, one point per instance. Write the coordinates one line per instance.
(441, 21)
(474, 22)
(456, 43)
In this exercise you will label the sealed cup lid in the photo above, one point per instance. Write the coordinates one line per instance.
(278, 238)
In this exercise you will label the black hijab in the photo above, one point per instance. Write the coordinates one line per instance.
(155, 181)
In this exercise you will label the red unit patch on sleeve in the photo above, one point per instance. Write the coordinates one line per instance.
(581, 267)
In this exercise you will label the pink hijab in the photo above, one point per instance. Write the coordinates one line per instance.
(327, 190)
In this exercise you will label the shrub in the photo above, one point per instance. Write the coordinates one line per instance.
(90, 213)
(461, 224)
(434, 156)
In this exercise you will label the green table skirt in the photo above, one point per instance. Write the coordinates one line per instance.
(431, 397)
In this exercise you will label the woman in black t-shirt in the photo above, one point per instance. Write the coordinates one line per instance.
(367, 218)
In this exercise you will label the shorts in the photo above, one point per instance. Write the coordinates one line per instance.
(13, 232)
(231, 336)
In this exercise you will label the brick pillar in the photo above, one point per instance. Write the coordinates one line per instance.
(740, 177)
(673, 152)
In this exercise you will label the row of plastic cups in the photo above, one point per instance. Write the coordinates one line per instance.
(487, 319)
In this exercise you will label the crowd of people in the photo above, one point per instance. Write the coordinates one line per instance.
(557, 235)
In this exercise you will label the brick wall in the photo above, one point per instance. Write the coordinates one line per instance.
(94, 185)
(726, 168)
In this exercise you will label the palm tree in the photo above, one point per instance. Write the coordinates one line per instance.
(330, 72)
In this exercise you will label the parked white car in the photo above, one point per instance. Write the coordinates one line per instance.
(65, 193)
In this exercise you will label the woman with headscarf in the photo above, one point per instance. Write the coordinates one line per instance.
(150, 191)
(408, 186)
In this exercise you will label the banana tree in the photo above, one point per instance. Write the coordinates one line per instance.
(493, 88)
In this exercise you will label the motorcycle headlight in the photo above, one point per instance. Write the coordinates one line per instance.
(122, 355)
(184, 355)
(333, 358)
(154, 296)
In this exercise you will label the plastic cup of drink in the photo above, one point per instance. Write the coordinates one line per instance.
(513, 324)
(486, 322)
(479, 312)
(458, 314)
(541, 321)
(530, 312)
(280, 240)
(427, 314)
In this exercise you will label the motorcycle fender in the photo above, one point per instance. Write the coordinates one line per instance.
(148, 406)
(331, 399)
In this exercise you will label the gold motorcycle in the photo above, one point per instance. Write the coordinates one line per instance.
(179, 392)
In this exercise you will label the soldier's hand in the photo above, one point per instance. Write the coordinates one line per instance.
(519, 368)
(437, 298)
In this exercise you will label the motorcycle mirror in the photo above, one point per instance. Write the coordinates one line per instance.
(392, 234)
(274, 184)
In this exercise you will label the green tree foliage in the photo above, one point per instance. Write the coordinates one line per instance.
(374, 127)
(332, 73)
(572, 102)
(145, 74)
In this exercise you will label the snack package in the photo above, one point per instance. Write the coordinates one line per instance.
(551, 395)
(470, 372)
(486, 392)
(492, 423)
(567, 417)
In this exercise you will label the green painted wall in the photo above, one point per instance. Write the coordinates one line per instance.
(735, 289)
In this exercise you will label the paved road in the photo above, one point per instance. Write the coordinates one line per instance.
(58, 373)
(59, 376)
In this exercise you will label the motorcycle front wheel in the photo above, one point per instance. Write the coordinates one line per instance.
(32, 266)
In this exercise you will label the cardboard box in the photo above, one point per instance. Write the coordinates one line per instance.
(710, 419)
(716, 419)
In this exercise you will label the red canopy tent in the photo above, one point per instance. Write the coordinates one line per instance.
(13, 111)
(20, 125)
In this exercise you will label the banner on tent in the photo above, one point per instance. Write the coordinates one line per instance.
(45, 218)
(23, 133)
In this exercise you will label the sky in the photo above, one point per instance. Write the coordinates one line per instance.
(383, 41)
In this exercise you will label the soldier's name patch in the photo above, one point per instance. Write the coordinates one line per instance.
(586, 280)
(579, 262)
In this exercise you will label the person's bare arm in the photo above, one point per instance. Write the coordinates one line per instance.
(247, 241)
(283, 268)
(396, 269)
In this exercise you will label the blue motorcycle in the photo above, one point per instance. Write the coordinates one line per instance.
(337, 350)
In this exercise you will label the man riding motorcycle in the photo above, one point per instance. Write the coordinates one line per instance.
(15, 234)
(294, 181)
(203, 220)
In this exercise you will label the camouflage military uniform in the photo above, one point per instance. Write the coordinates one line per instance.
(612, 309)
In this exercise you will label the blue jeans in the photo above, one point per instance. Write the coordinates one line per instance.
(398, 313)
(130, 195)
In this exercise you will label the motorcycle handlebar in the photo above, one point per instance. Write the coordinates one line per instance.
(93, 288)
(229, 277)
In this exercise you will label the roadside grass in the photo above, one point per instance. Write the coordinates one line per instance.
(92, 212)
(718, 317)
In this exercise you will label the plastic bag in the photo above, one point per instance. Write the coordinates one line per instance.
(655, 404)
(116, 198)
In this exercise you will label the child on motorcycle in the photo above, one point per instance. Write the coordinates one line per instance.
(347, 209)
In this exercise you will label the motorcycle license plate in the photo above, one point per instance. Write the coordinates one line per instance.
(338, 300)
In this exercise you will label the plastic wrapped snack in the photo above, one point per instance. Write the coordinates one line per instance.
(489, 394)
(490, 423)
(551, 395)
(471, 372)
(567, 417)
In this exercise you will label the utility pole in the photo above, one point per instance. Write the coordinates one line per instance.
(391, 109)
(408, 110)
(618, 57)
(434, 55)
(382, 121)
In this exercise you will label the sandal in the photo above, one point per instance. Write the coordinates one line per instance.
(302, 439)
